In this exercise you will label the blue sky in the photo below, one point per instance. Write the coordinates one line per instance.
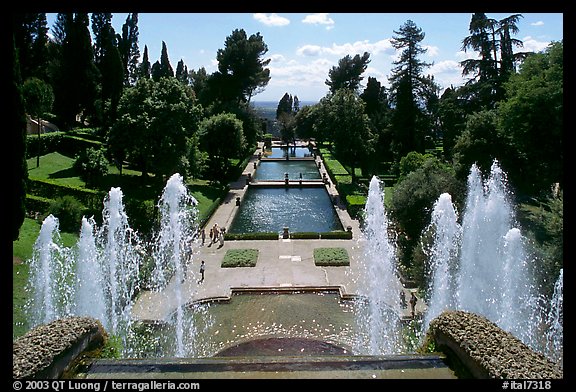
(303, 47)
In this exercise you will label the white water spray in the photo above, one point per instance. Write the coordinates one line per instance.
(379, 285)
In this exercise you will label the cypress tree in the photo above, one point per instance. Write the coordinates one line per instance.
(20, 167)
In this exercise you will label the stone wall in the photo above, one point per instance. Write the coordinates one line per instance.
(47, 350)
(487, 351)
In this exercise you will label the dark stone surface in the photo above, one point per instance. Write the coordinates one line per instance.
(282, 346)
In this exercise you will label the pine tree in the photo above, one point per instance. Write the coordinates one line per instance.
(348, 73)
(408, 87)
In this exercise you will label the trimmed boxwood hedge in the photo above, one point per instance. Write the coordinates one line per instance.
(251, 236)
(331, 257)
(305, 235)
(240, 258)
(336, 235)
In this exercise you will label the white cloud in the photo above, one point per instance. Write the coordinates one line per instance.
(539, 23)
(276, 58)
(358, 47)
(446, 73)
(533, 45)
(321, 18)
(431, 51)
(271, 19)
(309, 50)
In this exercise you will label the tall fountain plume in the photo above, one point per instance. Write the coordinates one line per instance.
(443, 258)
(555, 322)
(90, 282)
(174, 247)
(491, 271)
(100, 276)
(122, 259)
(378, 284)
(47, 281)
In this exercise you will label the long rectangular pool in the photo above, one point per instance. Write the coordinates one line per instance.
(291, 152)
(276, 170)
(270, 209)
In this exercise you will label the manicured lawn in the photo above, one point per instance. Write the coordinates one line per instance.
(331, 257)
(240, 258)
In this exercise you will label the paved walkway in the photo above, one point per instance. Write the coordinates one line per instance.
(283, 264)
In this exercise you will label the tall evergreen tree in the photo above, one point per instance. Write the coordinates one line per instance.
(284, 106)
(165, 61)
(18, 146)
(77, 77)
(182, 72)
(162, 68)
(377, 107)
(145, 69)
(128, 48)
(408, 88)
(107, 59)
(31, 39)
(103, 32)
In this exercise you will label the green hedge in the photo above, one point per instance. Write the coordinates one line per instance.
(62, 142)
(240, 258)
(331, 257)
(327, 235)
(49, 142)
(37, 203)
(304, 235)
(336, 235)
(251, 236)
(52, 189)
(355, 205)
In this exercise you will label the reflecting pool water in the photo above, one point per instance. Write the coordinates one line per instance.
(270, 209)
(276, 170)
(291, 152)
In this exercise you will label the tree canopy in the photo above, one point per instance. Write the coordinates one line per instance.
(348, 73)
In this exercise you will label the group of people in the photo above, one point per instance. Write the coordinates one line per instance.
(413, 300)
(216, 235)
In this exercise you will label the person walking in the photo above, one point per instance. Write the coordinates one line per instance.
(203, 236)
(413, 300)
(202, 268)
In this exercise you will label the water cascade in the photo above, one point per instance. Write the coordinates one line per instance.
(378, 281)
(483, 266)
